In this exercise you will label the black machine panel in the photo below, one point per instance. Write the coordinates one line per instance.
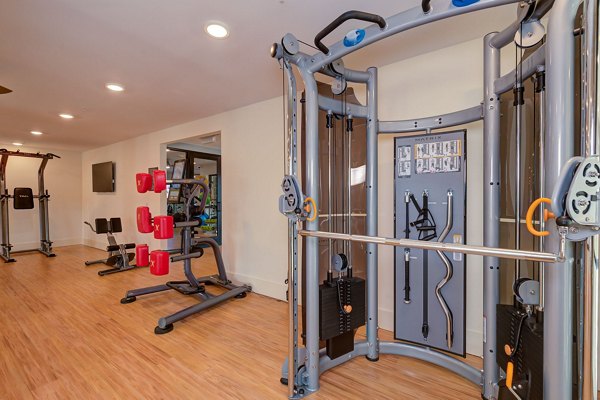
(342, 310)
(528, 360)
(23, 198)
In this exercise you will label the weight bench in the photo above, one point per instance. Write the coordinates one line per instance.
(118, 258)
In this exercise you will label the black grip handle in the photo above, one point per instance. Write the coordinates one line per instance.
(116, 247)
(426, 6)
(348, 15)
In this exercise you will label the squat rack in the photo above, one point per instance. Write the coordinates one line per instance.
(555, 57)
(42, 196)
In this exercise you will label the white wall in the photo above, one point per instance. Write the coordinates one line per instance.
(254, 244)
(62, 179)
(443, 81)
(254, 233)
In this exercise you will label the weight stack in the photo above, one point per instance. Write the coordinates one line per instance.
(336, 327)
(529, 360)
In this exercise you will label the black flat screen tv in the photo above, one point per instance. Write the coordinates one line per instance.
(103, 177)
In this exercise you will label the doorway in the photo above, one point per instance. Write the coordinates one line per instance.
(201, 159)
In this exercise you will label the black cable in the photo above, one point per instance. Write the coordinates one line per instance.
(514, 350)
(407, 250)
(309, 45)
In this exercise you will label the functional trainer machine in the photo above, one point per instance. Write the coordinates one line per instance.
(23, 200)
(192, 247)
(119, 258)
(544, 313)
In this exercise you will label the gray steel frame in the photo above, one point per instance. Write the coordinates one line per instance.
(42, 196)
(591, 131)
(556, 54)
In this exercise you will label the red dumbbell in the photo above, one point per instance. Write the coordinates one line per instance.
(143, 182)
(141, 255)
(159, 262)
(160, 181)
(144, 220)
(163, 227)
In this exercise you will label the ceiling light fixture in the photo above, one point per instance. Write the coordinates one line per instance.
(114, 87)
(66, 116)
(37, 133)
(17, 144)
(217, 30)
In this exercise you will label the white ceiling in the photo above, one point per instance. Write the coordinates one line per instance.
(57, 55)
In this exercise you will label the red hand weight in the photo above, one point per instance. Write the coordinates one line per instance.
(141, 255)
(159, 262)
(144, 220)
(160, 181)
(163, 227)
(143, 182)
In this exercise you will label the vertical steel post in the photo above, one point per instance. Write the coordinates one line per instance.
(372, 199)
(590, 132)
(4, 210)
(558, 285)
(518, 140)
(349, 122)
(491, 212)
(311, 179)
(290, 168)
(43, 211)
(329, 188)
(541, 90)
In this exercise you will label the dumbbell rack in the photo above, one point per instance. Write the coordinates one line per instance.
(162, 226)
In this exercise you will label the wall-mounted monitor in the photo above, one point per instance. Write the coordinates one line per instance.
(103, 177)
(174, 196)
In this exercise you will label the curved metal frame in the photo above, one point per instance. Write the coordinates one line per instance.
(304, 379)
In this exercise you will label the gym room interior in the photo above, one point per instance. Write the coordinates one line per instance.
(277, 199)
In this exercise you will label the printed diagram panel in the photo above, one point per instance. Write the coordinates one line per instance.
(430, 195)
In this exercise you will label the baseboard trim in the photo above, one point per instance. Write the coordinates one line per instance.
(272, 289)
(55, 243)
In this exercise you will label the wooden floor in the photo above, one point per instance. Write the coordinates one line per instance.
(64, 335)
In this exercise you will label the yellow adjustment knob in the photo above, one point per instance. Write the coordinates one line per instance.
(347, 308)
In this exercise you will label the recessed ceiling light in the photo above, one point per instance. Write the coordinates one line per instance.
(114, 87)
(168, 167)
(66, 116)
(168, 149)
(217, 30)
(37, 133)
(17, 144)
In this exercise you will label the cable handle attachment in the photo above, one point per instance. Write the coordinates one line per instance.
(310, 206)
(348, 15)
(531, 211)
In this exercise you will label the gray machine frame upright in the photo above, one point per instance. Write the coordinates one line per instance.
(555, 57)
(42, 196)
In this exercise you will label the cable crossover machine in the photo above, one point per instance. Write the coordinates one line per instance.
(543, 345)
(23, 199)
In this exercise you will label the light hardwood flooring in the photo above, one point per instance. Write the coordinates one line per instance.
(64, 335)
